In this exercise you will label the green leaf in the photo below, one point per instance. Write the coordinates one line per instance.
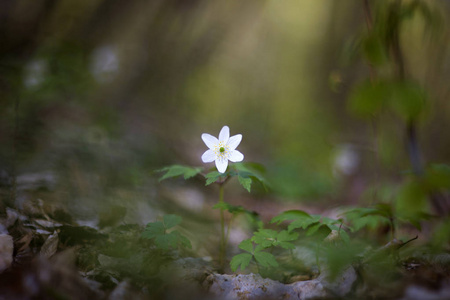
(264, 237)
(246, 245)
(303, 223)
(344, 236)
(286, 236)
(251, 171)
(242, 260)
(213, 176)
(438, 176)
(311, 230)
(374, 50)
(163, 239)
(368, 99)
(290, 215)
(182, 240)
(233, 209)
(171, 221)
(371, 217)
(265, 259)
(177, 170)
(407, 99)
(245, 182)
(412, 203)
(153, 230)
(166, 240)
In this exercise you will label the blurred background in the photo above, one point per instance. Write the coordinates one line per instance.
(95, 95)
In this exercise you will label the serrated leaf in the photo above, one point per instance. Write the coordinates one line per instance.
(162, 239)
(233, 209)
(245, 182)
(153, 230)
(246, 245)
(177, 170)
(266, 259)
(166, 240)
(182, 240)
(171, 221)
(251, 170)
(302, 223)
(285, 245)
(311, 230)
(264, 237)
(213, 176)
(290, 215)
(221, 206)
(286, 236)
(242, 260)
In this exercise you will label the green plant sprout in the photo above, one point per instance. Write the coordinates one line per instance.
(261, 257)
(221, 150)
(264, 239)
(163, 235)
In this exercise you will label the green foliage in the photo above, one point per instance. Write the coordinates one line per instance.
(438, 177)
(237, 210)
(271, 238)
(158, 231)
(313, 224)
(246, 173)
(249, 172)
(214, 176)
(406, 98)
(441, 235)
(368, 99)
(245, 182)
(412, 203)
(371, 217)
(374, 50)
(262, 258)
(177, 170)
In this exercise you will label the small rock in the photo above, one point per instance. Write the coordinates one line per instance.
(6, 251)
(253, 286)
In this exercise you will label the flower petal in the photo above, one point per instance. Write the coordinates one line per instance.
(208, 156)
(234, 141)
(221, 165)
(236, 156)
(210, 140)
(224, 134)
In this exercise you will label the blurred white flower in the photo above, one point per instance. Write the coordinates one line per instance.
(346, 160)
(223, 149)
(35, 72)
(104, 63)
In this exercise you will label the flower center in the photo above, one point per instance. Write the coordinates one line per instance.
(222, 149)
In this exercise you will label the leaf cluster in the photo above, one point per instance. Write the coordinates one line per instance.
(247, 173)
(261, 257)
(314, 225)
(236, 210)
(159, 232)
(177, 170)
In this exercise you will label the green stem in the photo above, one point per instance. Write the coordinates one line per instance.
(222, 230)
(317, 257)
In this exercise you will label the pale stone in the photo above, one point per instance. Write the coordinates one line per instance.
(6, 251)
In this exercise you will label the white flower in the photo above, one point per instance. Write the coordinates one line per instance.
(223, 149)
